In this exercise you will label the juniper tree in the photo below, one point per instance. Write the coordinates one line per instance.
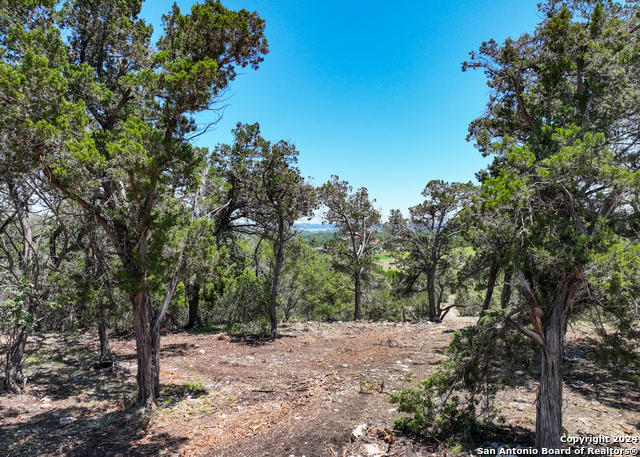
(266, 191)
(428, 233)
(138, 155)
(36, 120)
(564, 181)
(357, 221)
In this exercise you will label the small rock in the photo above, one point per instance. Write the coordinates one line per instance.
(66, 420)
(373, 450)
(201, 351)
(46, 406)
(359, 432)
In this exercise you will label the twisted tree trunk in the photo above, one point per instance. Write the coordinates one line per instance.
(13, 369)
(549, 404)
(146, 375)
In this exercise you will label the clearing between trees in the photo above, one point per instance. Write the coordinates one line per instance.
(303, 393)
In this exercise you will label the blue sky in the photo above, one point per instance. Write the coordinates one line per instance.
(370, 91)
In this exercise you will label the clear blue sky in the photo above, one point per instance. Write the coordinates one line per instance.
(370, 91)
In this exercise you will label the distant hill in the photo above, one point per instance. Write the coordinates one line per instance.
(309, 227)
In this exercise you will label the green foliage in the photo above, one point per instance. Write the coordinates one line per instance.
(469, 297)
(357, 221)
(455, 403)
(424, 242)
(311, 288)
(245, 299)
(17, 319)
(380, 303)
(14, 313)
(557, 208)
(436, 404)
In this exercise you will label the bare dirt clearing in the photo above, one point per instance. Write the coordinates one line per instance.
(303, 393)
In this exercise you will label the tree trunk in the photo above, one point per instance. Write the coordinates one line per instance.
(144, 349)
(13, 370)
(105, 349)
(155, 361)
(505, 296)
(431, 292)
(357, 313)
(549, 408)
(256, 257)
(494, 269)
(193, 293)
(276, 277)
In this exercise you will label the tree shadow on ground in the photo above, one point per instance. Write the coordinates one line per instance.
(243, 337)
(59, 383)
(84, 431)
(254, 340)
(611, 394)
(583, 376)
(512, 436)
(72, 410)
(113, 428)
(62, 367)
(176, 350)
(172, 394)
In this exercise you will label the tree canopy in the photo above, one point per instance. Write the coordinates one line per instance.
(109, 212)
(563, 182)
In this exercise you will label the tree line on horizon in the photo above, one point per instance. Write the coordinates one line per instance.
(110, 216)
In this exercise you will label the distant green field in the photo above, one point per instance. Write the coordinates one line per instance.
(386, 262)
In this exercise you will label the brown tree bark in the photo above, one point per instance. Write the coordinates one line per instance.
(105, 348)
(15, 353)
(13, 370)
(505, 296)
(550, 329)
(193, 294)
(357, 311)
(100, 271)
(146, 375)
(276, 277)
(431, 292)
(549, 404)
(494, 269)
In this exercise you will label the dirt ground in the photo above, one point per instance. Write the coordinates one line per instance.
(302, 394)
